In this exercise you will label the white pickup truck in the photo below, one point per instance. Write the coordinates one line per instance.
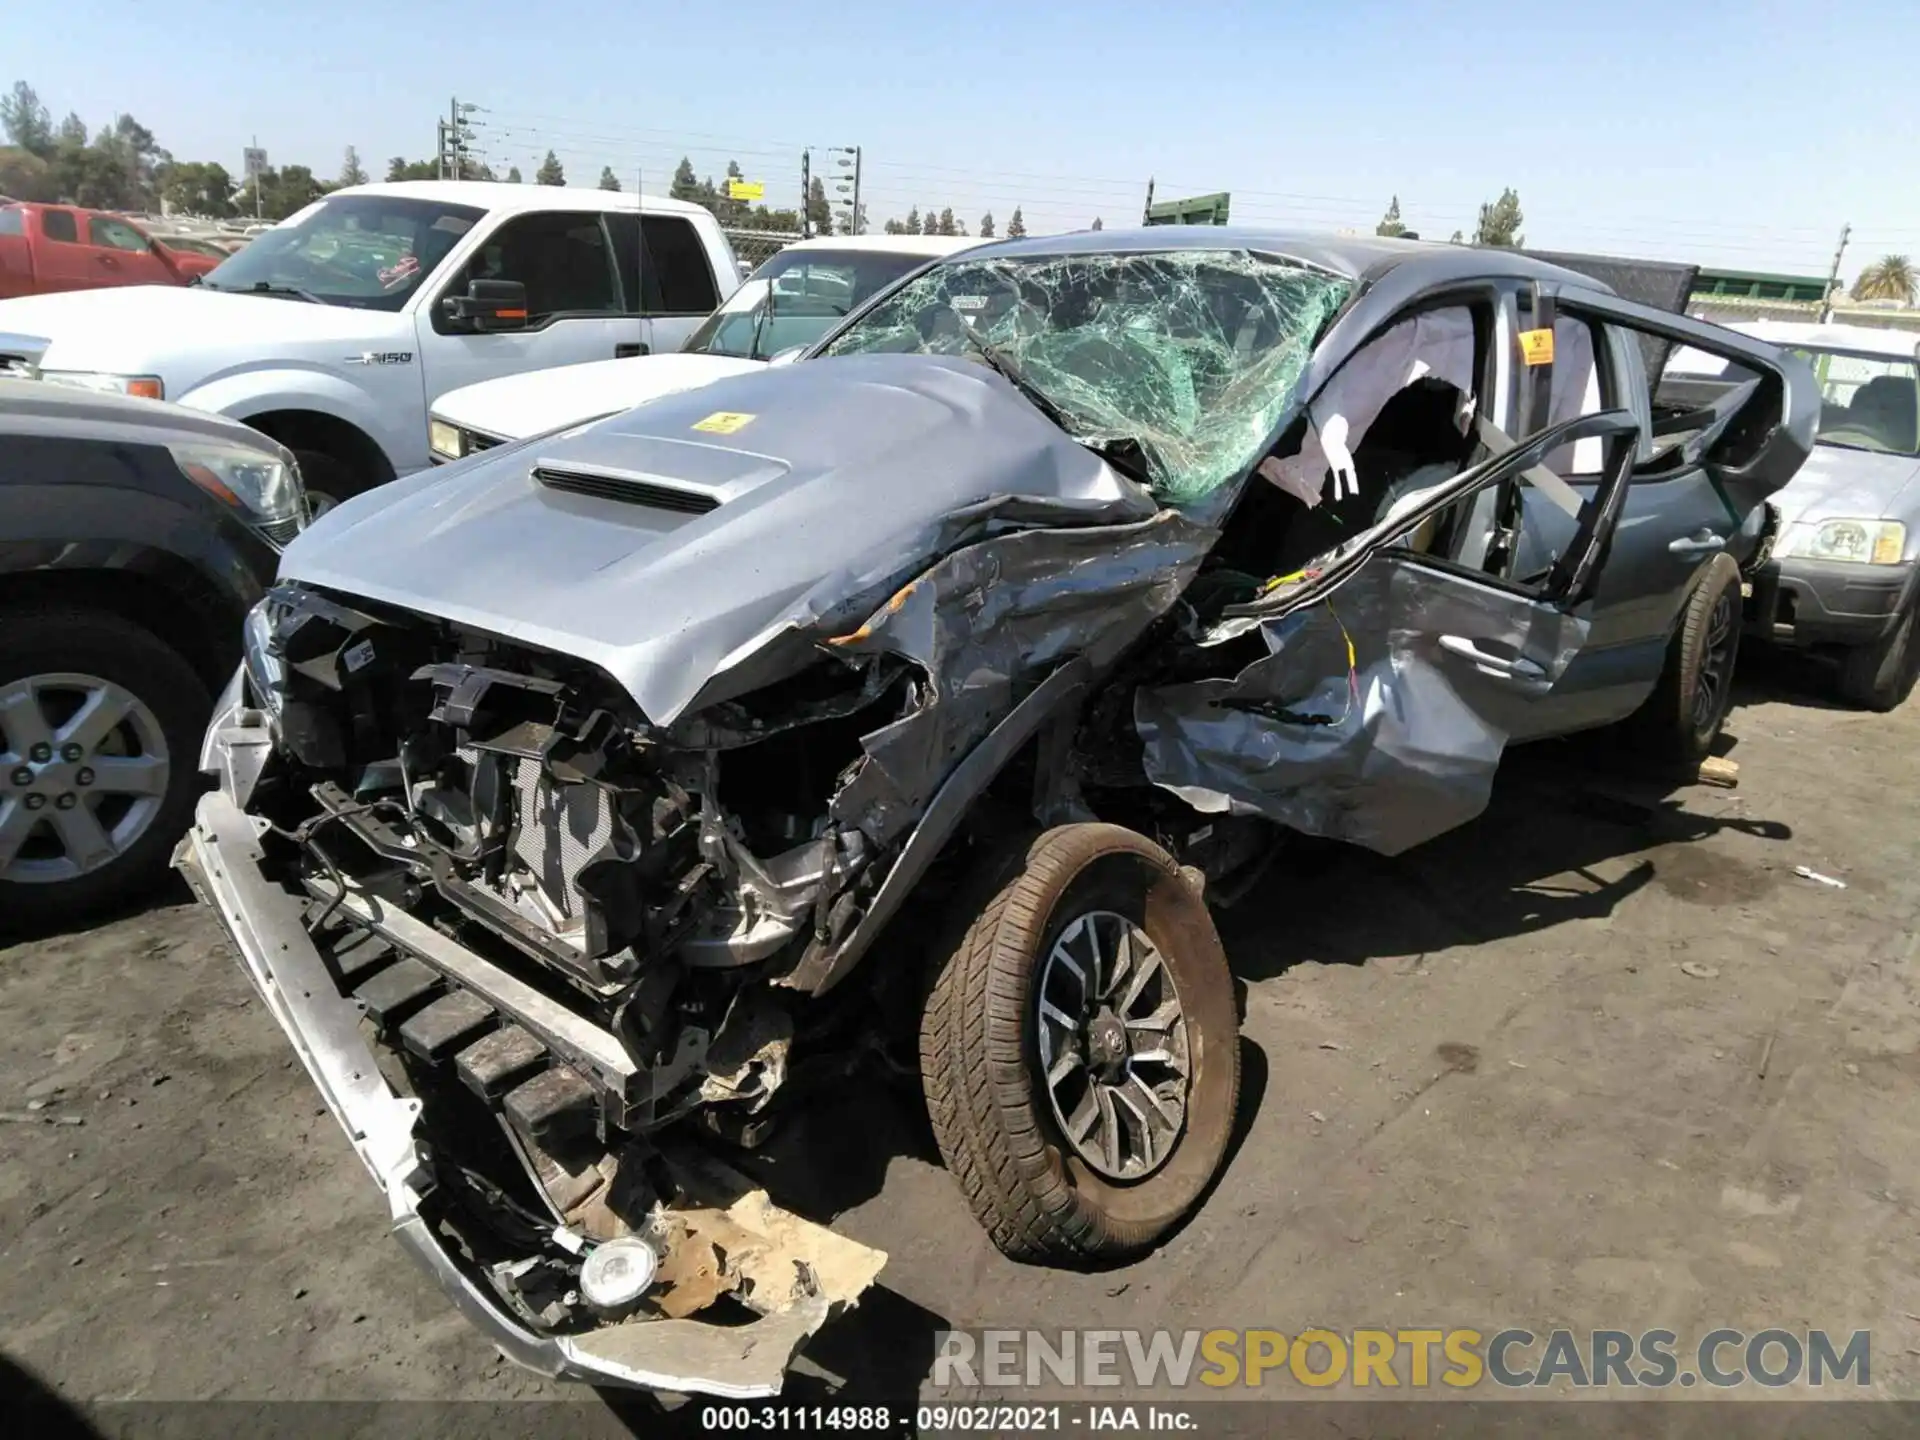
(336, 330)
(792, 300)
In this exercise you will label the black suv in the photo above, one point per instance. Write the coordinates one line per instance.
(134, 537)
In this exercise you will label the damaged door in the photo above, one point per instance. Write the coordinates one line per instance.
(1393, 675)
(1678, 515)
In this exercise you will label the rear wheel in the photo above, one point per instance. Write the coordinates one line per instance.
(1079, 1050)
(100, 725)
(1681, 720)
(1881, 676)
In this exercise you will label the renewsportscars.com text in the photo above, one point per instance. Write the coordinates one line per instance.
(1381, 1359)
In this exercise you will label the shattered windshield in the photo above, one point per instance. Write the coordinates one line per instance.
(1190, 354)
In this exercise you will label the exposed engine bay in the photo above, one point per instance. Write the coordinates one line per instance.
(560, 922)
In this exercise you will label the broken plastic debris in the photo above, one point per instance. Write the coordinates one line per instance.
(1814, 875)
(1698, 971)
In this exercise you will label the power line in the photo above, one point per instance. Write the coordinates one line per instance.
(892, 184)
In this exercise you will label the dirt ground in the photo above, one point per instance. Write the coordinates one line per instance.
(1600, 1059)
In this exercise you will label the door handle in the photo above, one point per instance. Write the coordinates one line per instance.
(1512, 667)
(1701, 542)
(629, 351)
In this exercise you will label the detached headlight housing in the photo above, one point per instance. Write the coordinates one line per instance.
(144, 387)
(264, 489)
(1857, 542)
(266, 671)
(444, 439)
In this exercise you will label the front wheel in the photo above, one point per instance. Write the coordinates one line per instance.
(1080, 1050)
(1682, 718)
(328, 480)
(1880, 676)
(100, 724)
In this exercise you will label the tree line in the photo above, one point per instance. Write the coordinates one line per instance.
(819, 214)
(122, 166)
(1500, 222)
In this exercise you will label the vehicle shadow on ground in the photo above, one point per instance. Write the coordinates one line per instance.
(1538, 857)
(1767, 673)
(171, 892)
(30, 1406)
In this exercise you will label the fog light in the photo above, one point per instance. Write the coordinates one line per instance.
(617, 1274)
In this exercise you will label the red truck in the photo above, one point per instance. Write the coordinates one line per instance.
(62, 247)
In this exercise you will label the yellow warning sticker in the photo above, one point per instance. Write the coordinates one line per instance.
(1537, 346)
(724, 422)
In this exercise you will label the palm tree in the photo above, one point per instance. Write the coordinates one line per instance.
(1888, 278)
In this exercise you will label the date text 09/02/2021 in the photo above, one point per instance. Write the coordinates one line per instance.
(944, 1419)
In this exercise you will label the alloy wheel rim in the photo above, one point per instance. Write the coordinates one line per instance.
(1112, 1041)
(83, 773)
(1716, 664)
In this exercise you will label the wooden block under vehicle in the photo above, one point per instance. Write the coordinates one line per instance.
(1716, 771)
(446, 1024)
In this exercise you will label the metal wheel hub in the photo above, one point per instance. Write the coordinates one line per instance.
(1112, 1041)
(1716, 663)
(83, 772)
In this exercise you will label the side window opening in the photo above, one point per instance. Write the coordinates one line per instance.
(113, 234)
(1579, 388)
(1690, 386)
(12, 220)
(1395, 420)
(59, 225)
(675, 277)
(562, 258)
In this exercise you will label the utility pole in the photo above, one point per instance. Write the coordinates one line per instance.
(456, 141)
(1833, 275)
(1146, 210)
(845, 187)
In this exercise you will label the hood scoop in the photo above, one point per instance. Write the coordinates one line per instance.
(652, 471)
(628, 490)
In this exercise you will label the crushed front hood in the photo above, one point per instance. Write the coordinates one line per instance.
(836, 481)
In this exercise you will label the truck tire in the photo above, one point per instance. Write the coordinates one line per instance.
(88, 828)
(1681, 720)
(1081, 1125)
(1880, 676)
(328, 480)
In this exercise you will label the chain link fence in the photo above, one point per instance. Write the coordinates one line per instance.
(1736, 309)
(752, 247)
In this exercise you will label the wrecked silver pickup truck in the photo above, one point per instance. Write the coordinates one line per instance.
(575, 797)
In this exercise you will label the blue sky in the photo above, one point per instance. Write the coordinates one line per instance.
(1732, 132)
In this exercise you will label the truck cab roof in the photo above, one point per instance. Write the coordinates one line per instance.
(503, 195)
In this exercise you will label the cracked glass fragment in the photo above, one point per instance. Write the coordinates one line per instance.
(1190, 355)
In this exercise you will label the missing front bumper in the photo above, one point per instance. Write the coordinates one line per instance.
(220, 858)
